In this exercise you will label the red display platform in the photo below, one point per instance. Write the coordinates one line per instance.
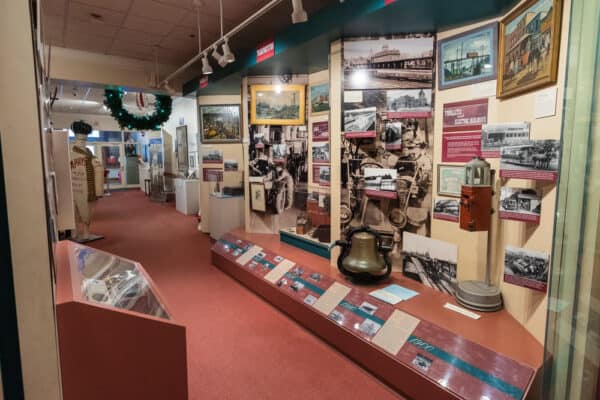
(443, 355)
(117, 340)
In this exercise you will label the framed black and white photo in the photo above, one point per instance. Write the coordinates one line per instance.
(220, 123)
(320, 152)
(496, 136)
(258, 201)
(533, 159)
(446, 209)
(520, 204)
(430, 262)
(527, 268)
(389, 62)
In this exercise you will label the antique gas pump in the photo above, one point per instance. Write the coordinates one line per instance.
(475, 216)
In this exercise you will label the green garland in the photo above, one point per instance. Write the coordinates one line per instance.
(113, 99)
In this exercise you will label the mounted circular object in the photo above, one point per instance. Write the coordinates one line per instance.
(398, 218)
(113, 99)
(363, 259)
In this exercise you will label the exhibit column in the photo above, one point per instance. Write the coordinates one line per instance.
(29, 247)
(573, 322)
(335, 138)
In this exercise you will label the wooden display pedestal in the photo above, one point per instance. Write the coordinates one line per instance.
(418, 347)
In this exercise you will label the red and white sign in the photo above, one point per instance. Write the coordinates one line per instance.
(265, 50)
(360, 135)
(408, 114)
(203, 82)
(461, 134)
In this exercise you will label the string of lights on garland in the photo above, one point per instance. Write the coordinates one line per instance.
(113, 99)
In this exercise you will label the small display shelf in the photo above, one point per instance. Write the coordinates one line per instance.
(305, 242)
(117, 338)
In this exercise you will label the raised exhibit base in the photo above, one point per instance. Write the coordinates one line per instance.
(417, 347)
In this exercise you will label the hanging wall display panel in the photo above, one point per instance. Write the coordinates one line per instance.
(387, 140)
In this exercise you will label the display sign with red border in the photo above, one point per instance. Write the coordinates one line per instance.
(265, 50)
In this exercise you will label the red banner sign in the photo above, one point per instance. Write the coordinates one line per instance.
(265, 50)
(203, 82)
(461, 135)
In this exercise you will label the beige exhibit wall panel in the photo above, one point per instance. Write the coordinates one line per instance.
(527, 306)
(102, 69)
(183, 113)
(26, 207)
(231, 151)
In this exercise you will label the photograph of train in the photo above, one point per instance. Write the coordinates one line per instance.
(429, 261)
(446, 209)
(526, 268)
(520, 204)
(398, 62)
(361, 120)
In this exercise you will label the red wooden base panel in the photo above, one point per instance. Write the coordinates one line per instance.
(433, 363)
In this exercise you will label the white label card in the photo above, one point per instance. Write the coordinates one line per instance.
(331, 298)
(396, 331)
(353, 96)
(279, 271)
(545, 103)
(462, 311)
(247, 256)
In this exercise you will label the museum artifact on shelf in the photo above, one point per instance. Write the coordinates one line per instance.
(363, 257)
(475, 215)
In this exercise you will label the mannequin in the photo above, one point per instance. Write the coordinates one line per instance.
(87, 175)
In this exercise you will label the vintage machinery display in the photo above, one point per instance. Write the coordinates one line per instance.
(475, 215)
(363, 257)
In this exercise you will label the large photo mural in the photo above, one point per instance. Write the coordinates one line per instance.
(387, 143)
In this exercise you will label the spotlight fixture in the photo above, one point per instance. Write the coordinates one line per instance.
(228, 56)
(206, 68)
(298, 14)
(219, 57)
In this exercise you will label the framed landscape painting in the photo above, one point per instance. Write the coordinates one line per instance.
(529, 47)
(277, 104)
(220, 123)
(469, 57)
(319, 99)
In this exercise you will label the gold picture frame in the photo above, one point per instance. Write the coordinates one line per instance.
(264, 100)
(529, 48)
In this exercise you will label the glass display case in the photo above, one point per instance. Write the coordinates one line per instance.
(113, 281)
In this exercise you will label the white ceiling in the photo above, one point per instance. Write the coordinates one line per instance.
(132, 28)
(82, 99)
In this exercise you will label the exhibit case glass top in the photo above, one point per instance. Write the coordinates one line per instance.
(106, 279)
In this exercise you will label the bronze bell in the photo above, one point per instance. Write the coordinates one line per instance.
(362, 257)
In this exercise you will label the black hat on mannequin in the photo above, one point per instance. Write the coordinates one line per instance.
(81, 127)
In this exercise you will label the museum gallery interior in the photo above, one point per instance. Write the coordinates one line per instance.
(300, 199)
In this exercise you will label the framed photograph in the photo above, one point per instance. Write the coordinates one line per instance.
(450, 179)
(527, 268)
(520, 204)
(320, 131)
(277, 104)
(320, 153)
(496, 136)
(182, 148)
(220, 123)
(469, 57)
(529, 47)
(319, 99)
(389, 62)
(446, 209)
(257, 199)
(429, 261)
(212, 156)
(533, 159)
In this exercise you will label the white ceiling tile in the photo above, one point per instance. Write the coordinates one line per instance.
(115, 5)
(145, 38)
(79, 40)
(157, 11)
(148, 25)
(92, 28)
(82, 12)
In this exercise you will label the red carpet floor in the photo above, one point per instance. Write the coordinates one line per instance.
(239, 346)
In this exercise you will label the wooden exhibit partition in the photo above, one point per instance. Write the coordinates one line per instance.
(528, 306)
